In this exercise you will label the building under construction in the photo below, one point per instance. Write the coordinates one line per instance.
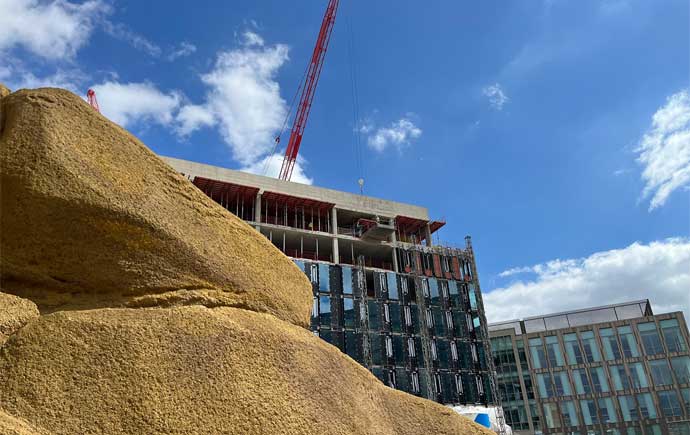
(409, 311)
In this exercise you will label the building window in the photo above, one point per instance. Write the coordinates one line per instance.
(386, 313)
(425, 287)
(383, 284)
(628, 408)
(449, 320)
(468, 320)
(429, 319)
(672, 335)
(608, 412)
(437, 383)
(619, 378)
(434, 354)
(608, 339)
(314, 273)
(408, 316)
(403, 284)
(661, 374)
(562, 384)
(453, 351)
(589, 412)
(685, 394)
(444, 289)
(415, 382)
(537, 351)
(458, 384)
(392, 381)
(581, 382)
(650, 338)
(389, 347)
(553, 352)
(545, 385)
(589, 345)
(315, 308)
(628, 342)
(669, 404)
(410, 347)
(572, 349)
(475, 356)
(647, 408)
(551, 416)
(569, 414)
(637, 373)
(599, 382)
(681, 368)
(480, 385)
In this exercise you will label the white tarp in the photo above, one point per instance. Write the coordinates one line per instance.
(478, 413)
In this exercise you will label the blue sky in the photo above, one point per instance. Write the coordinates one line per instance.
(556, 133)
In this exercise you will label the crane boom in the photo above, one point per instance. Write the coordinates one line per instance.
(307, 96)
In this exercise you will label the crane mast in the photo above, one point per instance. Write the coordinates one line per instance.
(308, 90)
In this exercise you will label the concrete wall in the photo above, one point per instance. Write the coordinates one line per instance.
(342, 200)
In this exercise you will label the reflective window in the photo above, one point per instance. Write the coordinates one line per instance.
(473, 298)
(669, 404)
(553, 352)
(661, 373)
(315, 308)
(619, 377)
(685, 395)
(608, 411)
(537, 351)
(589, 412)
(610, 343)
(681, 368)
(589, 346)
(324, 278)
(581, 382)
(672, 335)
(647, 408)
(349, 312)
(569, 414)
(545, 385)
(628, 342)
(551, 416)
(628, 408)
(652, 429)
(562, 384)
(325, 309)
(599, 382)
(572, 349)
(347, 280)
(650, 338)
(392, 286)
(638, 375)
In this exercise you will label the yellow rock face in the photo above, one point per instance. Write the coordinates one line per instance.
(92, 218)
(14, 313)
(199, 370)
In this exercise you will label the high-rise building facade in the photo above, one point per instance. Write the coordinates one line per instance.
(614, 370)
(406, 309)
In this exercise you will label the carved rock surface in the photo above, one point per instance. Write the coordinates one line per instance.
(93, 218)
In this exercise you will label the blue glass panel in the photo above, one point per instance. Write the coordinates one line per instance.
(347, 280)
(392, 286)
(324, 278)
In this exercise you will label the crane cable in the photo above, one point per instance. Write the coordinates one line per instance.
(285, 122)
(357, 143)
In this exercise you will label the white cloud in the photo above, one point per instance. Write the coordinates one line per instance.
(185, 49)
(252, 39)
(497, 98)
(192, 117)
(664, 150)
(132, 103)
(398, 134)
(123, 33)
(17, 78)
(270, 167)
(244, 100)
(659, 271)
(54, 30)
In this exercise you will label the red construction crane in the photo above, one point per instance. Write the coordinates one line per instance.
(308, 89)
(91, 97)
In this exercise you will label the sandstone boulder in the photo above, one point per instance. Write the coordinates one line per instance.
(90, 217)
(14, 313)
(195, 370)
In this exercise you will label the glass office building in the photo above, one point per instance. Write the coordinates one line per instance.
(618, 370)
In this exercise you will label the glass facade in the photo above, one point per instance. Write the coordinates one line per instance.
(417, 334)
(624, 377)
